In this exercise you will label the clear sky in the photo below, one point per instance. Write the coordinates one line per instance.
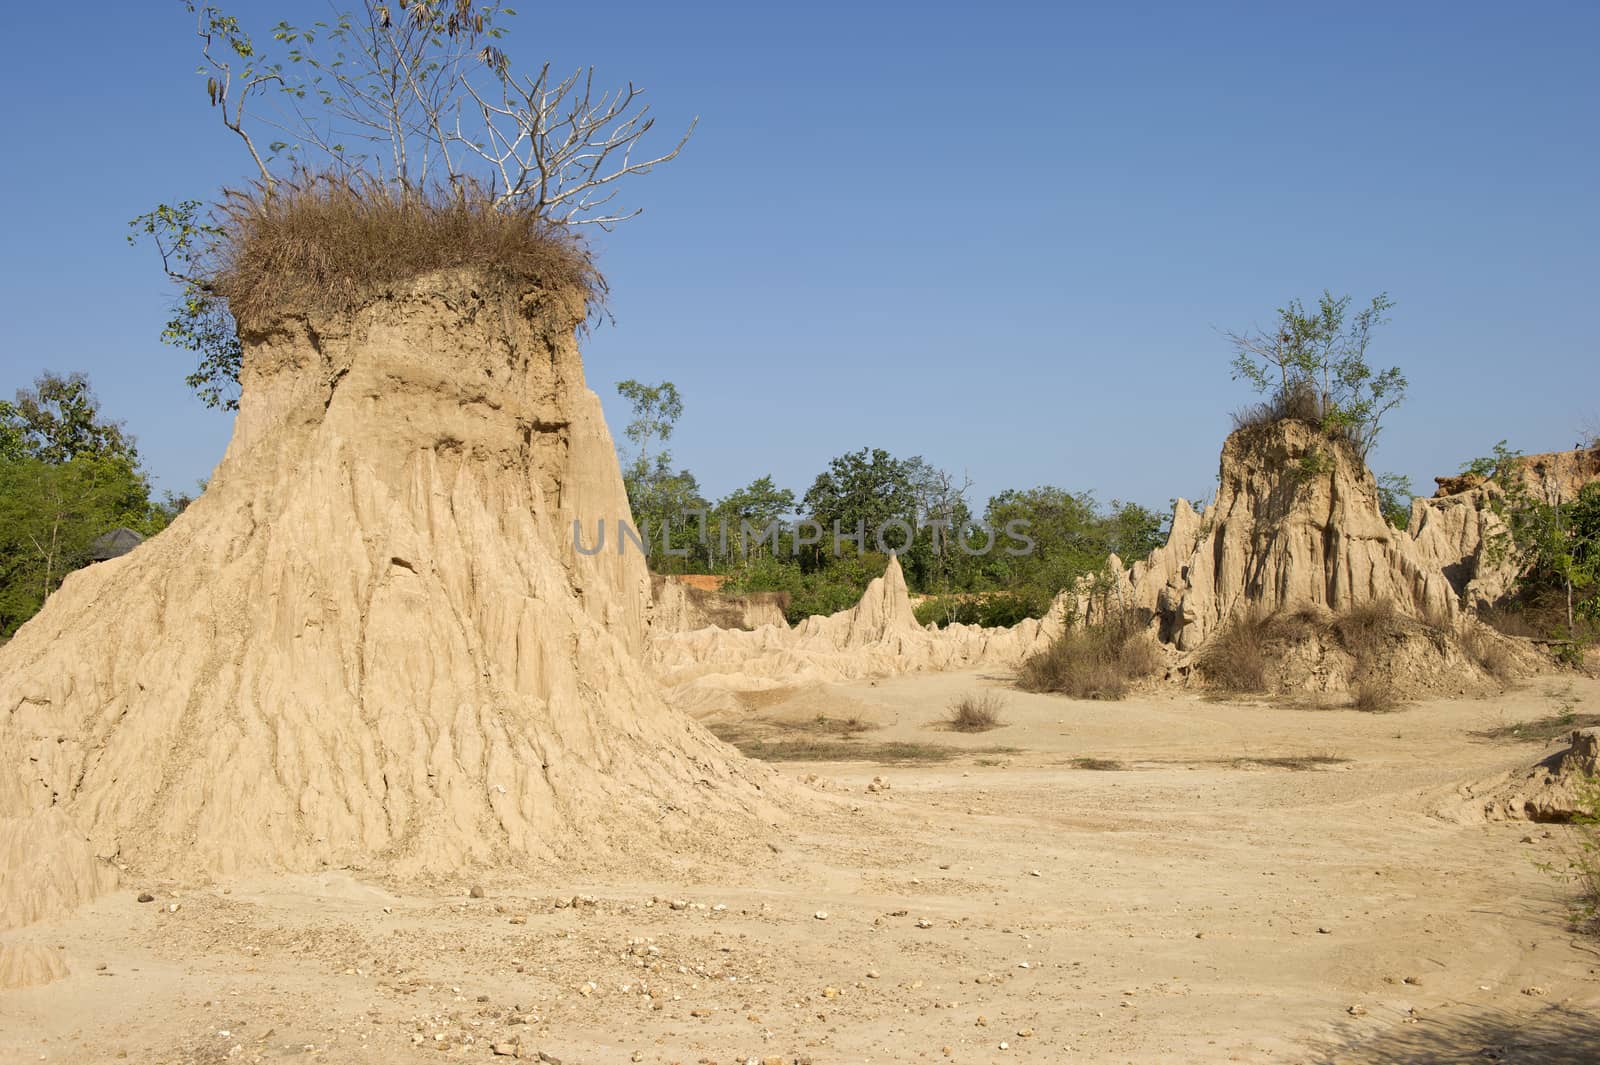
(1003, 236)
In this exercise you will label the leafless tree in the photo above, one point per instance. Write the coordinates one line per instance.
(418, 91)
(558, 147)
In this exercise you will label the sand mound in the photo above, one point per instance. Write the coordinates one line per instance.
(1548, 791)
(371, 643)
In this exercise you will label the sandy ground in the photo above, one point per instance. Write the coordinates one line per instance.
(1250, 883)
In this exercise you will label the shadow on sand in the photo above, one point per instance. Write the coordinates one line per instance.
(1554, 1035)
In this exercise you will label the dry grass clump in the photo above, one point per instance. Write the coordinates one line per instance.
(1480, 644)
(976, 712)
(1240, 657)
(1373, 694)
(1363, 629)
(1093, 661)
(325, 244)
(1235, 659)
(1298, 401)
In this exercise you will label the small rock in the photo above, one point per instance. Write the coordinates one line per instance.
(145, 896)
(1357, 1011)
(475, 891)
(505, 1050)
(1414, 981)
(821, 915)
(923, 922)
(1324, 931)
(1535, 992)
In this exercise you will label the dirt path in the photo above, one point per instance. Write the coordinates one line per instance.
(1234, 883)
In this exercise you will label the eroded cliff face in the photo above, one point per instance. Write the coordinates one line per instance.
(1296, 521)
(1459, 531)
(371, 642)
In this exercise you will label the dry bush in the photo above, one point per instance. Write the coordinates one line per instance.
(1299, 401)
(1492, 655)
(1373, 693)
(976, 712)
(1363, 629)
(1093, 661)
(1235, 659)
(326, 244)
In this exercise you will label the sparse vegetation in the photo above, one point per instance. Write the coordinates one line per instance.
(1581, 868)
(1554, 544)
(976, 712)
(1363, 629)
(1479, 643)
(1313, 368)
(1099, 765)
(1373, 694)
(840, 726)
(827, 740)
(1294, 762)
(326, 243)
(1094, 661)
(1241, 657)
(1235, 659)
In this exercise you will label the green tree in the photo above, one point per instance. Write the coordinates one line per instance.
(1553, 542)
(861, 491)
(1394, 498)
(757, 505)
(661, 499)
(59, 419)
(1314, 365)
(67, 475)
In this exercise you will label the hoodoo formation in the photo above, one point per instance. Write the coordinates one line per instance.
(370, 643)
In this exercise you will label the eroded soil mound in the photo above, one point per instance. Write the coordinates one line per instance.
(1555, 789)
(371, 642)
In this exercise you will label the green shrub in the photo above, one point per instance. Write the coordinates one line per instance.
(990, 609)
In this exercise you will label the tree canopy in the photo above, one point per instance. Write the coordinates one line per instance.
(1314, 365)
(67, 475)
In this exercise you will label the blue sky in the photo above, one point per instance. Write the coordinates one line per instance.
(1001, 236)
